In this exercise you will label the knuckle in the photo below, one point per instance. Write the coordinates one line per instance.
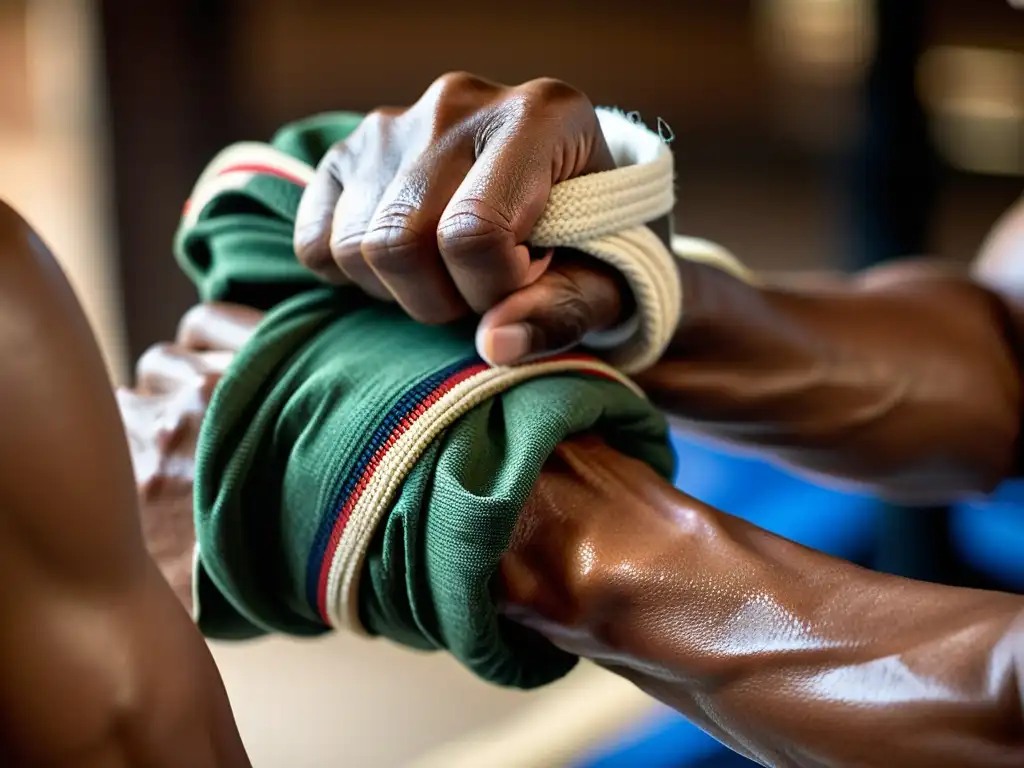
(375, 122)
(346, 244)
(190, 332)
(466, 236)
(392, 244)
(346, 233)
(453, 97)
(340, 151)
(546, 93)
(552, 106)
(149, 360)
(459, 83)
(347, 251)
(345, 159)
(316, 259)
(341, 156)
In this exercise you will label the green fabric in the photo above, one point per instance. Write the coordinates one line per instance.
(288, 424)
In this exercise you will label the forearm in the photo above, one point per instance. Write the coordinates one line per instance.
(790, 656)
(906, 379)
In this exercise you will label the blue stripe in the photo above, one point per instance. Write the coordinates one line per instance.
(405, 405)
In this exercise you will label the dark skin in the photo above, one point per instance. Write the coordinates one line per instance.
(791, 657)
(787, 655)
(431, 207)
(100, 666)
(905, 380)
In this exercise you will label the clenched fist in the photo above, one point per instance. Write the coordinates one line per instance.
(431, 206)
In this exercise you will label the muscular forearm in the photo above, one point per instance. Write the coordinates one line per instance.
(906, 379)
(791, 657)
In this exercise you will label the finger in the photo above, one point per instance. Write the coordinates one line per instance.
(352, 217)
(573, 298)
(313, 219)
(216, 326)
(372, 161)
(401, 242)
(491, 215)
(138, 415)
(482, 232)
(131, 404)
(167, 368)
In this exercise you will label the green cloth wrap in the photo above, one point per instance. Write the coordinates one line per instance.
(288, 430)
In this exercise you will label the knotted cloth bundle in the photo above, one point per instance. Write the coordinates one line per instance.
(358, 470)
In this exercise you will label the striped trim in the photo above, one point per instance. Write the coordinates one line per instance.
(235, 167)
(258, 154)
(409, 406)
(408, 429)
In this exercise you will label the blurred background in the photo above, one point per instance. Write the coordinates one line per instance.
(808, 133)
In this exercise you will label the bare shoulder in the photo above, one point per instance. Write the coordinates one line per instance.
(63, 457)
(99, 665)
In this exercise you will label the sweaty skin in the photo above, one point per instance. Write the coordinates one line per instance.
(791, 657)
(905, 380)
(99, 665)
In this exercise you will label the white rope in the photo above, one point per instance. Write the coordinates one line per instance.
(604, 215)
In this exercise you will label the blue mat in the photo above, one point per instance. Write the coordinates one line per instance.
(989, 535)
(840, 524)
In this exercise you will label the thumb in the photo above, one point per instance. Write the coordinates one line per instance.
(574, 297)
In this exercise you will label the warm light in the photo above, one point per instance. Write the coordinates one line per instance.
(818, 40)
(975, 97)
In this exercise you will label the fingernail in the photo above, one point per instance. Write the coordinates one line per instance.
(505, 345)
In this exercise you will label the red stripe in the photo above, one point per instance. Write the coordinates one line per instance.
(350, 503)
(266, 170)
(346, 511)
(260, 168)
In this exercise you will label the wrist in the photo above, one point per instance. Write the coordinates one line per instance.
(610, 562)
(596, 530)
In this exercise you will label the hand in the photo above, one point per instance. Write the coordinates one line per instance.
(162, 416)
(431, 206)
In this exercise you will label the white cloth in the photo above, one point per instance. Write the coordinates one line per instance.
(606, 214)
